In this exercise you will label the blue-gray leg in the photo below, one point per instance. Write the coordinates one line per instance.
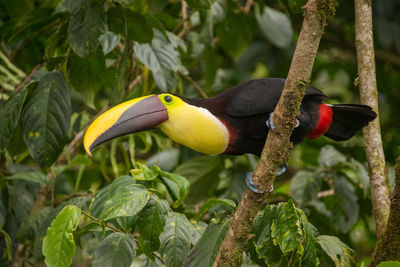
(270, 123)
(253, 187)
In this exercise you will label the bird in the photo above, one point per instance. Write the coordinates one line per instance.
(234, 122)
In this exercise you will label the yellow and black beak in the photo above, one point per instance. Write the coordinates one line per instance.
(136, 115)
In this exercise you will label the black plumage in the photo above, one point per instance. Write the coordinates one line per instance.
(245, 108)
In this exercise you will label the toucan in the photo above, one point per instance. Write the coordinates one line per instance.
(232, 122)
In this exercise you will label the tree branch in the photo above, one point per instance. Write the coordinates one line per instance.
(388, 247)
(277, 146)
(369, 96)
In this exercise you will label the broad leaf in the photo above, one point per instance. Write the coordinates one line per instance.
(262, 249)
(144, 173)
(160, 57)
(329, 157)
(119, 183)
(286, 230)
(108, 41)
(85, 27)
(182, 185)
(175, 239)
(339, 252)
(345, 209)
(151, 222)
(206, 249)
(36, 177)
(127, 202)
(304, 187)
(97, 204)
(202, 173)
(9, 116)
(139, 29)
(32, 225)
(59, 244)
(86, 74)
(116, 250)
(276, 26)
(46, 118)
(213, 202)
(389, 264)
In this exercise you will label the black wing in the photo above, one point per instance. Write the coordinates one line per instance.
(259, 96)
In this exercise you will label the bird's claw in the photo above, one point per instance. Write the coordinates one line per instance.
(281, 170)
(252, 186)
(270, 123)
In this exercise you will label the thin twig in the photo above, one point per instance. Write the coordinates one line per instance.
(195, 85)
(58, 202)
(325, 193)
(248, 5)
(29, 77)
(101, 222)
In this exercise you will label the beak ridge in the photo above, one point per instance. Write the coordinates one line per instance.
(138, 116)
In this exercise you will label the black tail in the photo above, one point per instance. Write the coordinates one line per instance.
(348, 119)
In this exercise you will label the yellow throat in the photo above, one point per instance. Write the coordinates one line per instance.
(194, 127)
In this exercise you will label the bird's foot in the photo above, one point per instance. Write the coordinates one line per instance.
(253, 187)
(270, 123)
(281, 170)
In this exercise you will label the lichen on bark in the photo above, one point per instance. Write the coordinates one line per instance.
(277, 146)
(369, 96)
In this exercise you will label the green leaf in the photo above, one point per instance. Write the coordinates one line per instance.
(32, 225)
(304, 187)
(345, 209)
(276, 26)
(116, 250)
(120, 75)
(338, 251)
(127, 202)
(108, 41)
(160, 57)
(36, 177)
(175, 239)
(57, 44)
(200, 4)
(235, 33)
(202, 173)
(286, 229)
(59, 244)
(262, 249)
(97, 204)
(139, 28)
(119, 183)
(86, 75)
(309, 257)
(85, 27)
(206, 249)
(9, 116)
(144, 173)
(151, 222)
(46, 118)
(213, 202)
(389, 264)
(329, 157)
(182, 185)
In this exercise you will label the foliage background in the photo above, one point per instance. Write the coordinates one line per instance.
(89, 55)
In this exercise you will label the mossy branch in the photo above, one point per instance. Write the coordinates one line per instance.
(277, 146)
(369, 96)
(388, 246)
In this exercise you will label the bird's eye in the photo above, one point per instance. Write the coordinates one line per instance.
(168, 98)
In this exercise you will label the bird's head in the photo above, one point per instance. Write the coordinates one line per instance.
(187, 124)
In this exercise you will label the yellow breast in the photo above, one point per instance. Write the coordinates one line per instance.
(196, 128)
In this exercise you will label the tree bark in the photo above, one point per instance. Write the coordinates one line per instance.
(388, 247)
(369, 96)
(278, 145)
